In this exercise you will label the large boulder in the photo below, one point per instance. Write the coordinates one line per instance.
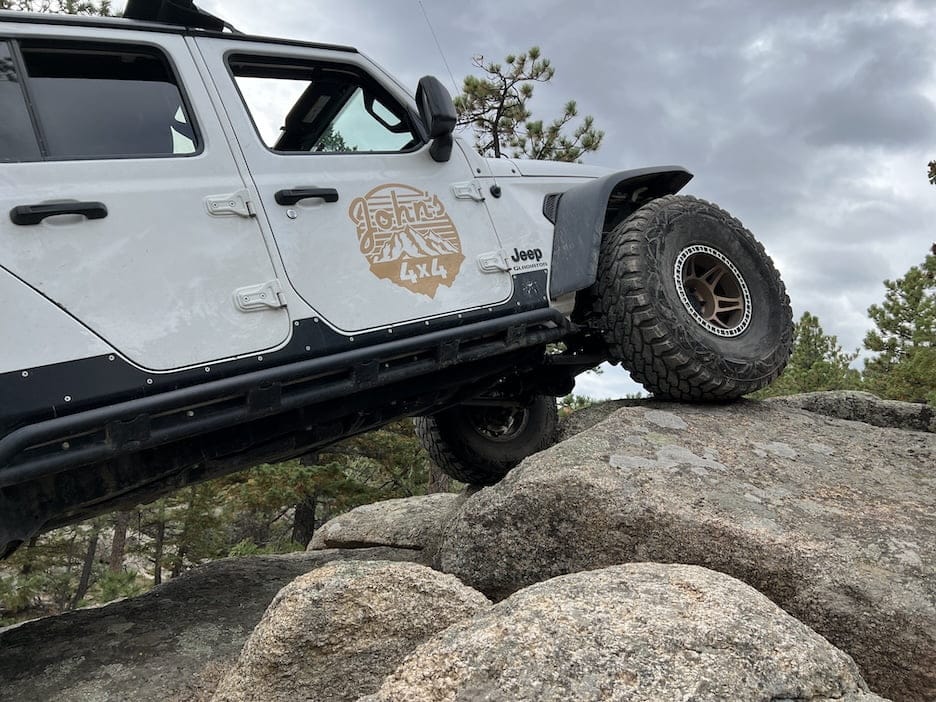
(833, 520)
(639, 632)
(173, 643)
(865, 407)
(587, 417)
(336, 632)
(408, 522)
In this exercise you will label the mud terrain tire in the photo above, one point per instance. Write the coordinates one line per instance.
(479, 445)
(690, 302)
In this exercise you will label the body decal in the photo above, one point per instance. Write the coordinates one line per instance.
(407, 237)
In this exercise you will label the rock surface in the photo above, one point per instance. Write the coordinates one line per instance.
(170, 644)
(639, 632)
(587, 417)
(832, 520)
(409, 522)
(864, 407)
(335, 633)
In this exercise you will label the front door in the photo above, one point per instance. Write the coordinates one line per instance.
(372, 231)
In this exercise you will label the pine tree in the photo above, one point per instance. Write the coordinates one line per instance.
(333, 142)
(905, 337)
(816, 363)
(68, 7)
(87, 567)
(496, 107)
(119, 542)
(198, 535)
(572, 403)
(42, 577)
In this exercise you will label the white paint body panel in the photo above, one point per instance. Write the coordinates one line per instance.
(552, 169)
(153, 282)
(320, 247)
(500, 167)
(156, 277)
(43, 333)
(519, 211)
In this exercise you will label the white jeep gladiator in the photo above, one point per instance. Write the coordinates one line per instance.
(218, 250)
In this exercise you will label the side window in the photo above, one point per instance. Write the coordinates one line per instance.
(315, 108)
(106, 102)
(17, 137)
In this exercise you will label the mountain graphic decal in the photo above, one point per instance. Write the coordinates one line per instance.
(411, 244)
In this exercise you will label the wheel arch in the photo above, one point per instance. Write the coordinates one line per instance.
(582, 213)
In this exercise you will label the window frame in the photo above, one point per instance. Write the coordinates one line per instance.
(367, 80)
(155, 50)
(17, 61)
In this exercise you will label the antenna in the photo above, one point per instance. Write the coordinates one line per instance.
(439, 46)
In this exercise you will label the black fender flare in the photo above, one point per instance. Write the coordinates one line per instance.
(582, 213)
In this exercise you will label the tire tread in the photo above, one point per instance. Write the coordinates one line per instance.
(456, 457)
(640, 330)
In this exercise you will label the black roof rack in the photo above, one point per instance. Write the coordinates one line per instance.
(182, 13)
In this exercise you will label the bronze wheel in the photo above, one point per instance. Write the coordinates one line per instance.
(690, 302)
(713, 290)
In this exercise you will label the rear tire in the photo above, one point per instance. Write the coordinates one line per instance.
(690, 302)
(479, 445)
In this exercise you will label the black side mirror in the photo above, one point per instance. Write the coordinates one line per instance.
(437, 112)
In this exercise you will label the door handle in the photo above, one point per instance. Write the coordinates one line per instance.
(294, 195)
(33, 214)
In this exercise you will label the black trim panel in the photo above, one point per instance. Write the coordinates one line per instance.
(27, 508)
(47, 447)
(35, 394)
(582, 215)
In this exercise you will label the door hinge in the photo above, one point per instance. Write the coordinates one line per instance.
(233, 204)
(493, 262)
(470, 190)
(265, 296)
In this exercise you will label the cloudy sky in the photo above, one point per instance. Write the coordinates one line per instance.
(810, 121)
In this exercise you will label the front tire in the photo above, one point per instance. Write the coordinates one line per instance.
(479, 445)
(690, 302)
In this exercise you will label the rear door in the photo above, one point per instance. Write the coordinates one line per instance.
(372, 231)
(155, 236)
